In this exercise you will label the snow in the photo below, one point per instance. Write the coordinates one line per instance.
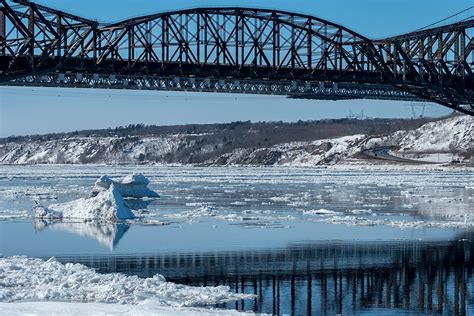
(134, 186)
(454, 133)
(78, 150)
(107, 205)
(26, 279)
(299, 154)
(441, 137)
(46, 213)
(102, 309)
(429, 143)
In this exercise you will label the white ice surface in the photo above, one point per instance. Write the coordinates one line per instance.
(134, 186)
(107, 205)
(24, 279)
(103, 309)
(350, 220)
(202, 211)
(46, 213)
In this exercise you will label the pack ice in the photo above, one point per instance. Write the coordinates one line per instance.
(26, 279)
(133, 186)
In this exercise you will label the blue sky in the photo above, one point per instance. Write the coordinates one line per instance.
(42, 110)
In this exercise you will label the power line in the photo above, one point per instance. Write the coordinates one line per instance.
(449, 17)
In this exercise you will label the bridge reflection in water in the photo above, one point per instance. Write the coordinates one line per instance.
(433, 277)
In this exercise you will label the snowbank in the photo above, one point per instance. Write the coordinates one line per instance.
(107, 205)
(134, 186)
(30, 279)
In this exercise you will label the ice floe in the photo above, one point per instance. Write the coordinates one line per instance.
(9, 214)
(134, 186)
(323, 212)
(361, 211)
(107, 205)
(202, 211)
(26, 279)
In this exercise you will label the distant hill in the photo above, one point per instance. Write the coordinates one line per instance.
(445, 141)
(186, 144)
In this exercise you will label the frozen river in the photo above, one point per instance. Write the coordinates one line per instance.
(302, 240)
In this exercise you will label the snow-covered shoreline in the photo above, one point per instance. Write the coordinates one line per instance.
(347, 165)
(449, 139)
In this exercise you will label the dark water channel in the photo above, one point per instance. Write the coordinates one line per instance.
(324, 278)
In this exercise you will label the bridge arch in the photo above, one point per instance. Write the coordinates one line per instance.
(283, 42)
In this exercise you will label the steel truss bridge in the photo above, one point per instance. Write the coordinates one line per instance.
(235, 50)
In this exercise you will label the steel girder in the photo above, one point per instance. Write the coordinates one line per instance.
(239, 44)
(436, 64)
(35, 38)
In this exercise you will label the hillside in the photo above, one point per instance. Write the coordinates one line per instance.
(243, 143)
(441, 141)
